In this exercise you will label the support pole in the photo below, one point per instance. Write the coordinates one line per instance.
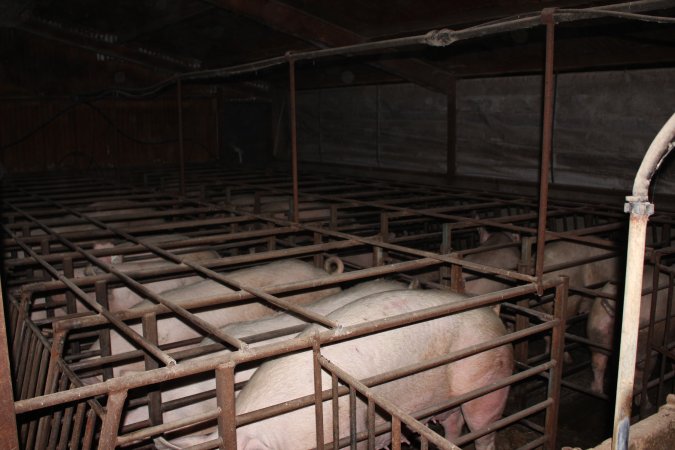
(294, 139)
(181, 150)
(640, 209)
(9, 437)
(546, 141)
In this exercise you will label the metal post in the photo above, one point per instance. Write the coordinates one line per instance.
(294, 140)
(181, 150)
(546, 140)
(111, 421)
(640, 209)
(227, 423)
(557, 355)
(8, 432)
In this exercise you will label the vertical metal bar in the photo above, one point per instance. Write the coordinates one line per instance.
(424, 443)
(547, 140)
(384, 235)
(333, 217)
(69, 271)
(78, 423)
(89, 430)
(352, 418)
(67, 426)
(181, 150)
(111, 421)
(101, 288)
(370, 421)
(629, 329)
(669, 311)
(217, 127)
(227, 424)
(50, 384)
(318, 403)
(26, 362)
(294, 141)
(446, 247)
(336, 411)
(149, 324)
(318, 258)
(395, 433)
(32, 368)
(451, 158)
(8, 430)
(557, 355)
(648, 345)
(56, 427)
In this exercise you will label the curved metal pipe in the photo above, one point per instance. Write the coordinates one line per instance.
(640, 209)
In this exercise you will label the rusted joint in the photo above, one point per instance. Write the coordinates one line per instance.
(547, 16)
(440, 38)
(638, 206)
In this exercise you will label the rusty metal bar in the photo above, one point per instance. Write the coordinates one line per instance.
(8, 431)
(88, 321)
(546, 139)
(256, 353)
(111, 421)
(181, 149)
(388, 406)
(336, 411)
(294, 139)
(154, 350)
(557, 353)
(227, 428)
(318, 400)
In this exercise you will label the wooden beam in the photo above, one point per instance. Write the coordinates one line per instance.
(142, 56)
(186, 11)
(317, 31)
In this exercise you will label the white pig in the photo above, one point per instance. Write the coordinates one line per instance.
(290, 377)
(240, 330)
(172, 329)
(122, 298)
(505, 258)
(601, 328)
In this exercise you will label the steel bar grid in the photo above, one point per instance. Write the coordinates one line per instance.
(331, 242)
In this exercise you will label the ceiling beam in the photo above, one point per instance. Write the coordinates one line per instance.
(184, 13)
(106, 45)
(319, 32)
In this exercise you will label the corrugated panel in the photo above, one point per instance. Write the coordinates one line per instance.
(604, 122)
(396, 126)
(110, 134)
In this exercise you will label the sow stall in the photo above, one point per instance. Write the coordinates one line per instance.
(52, 342)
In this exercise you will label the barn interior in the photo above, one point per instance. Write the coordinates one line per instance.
(195, 189)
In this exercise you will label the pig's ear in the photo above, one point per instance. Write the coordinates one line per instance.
(109, 259)
(483, 235)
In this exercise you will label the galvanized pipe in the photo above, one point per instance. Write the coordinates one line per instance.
(640, 209)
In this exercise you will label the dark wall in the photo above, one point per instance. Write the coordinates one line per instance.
(246, 133)
(398, 126)
(604, 123)
(39, 135)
